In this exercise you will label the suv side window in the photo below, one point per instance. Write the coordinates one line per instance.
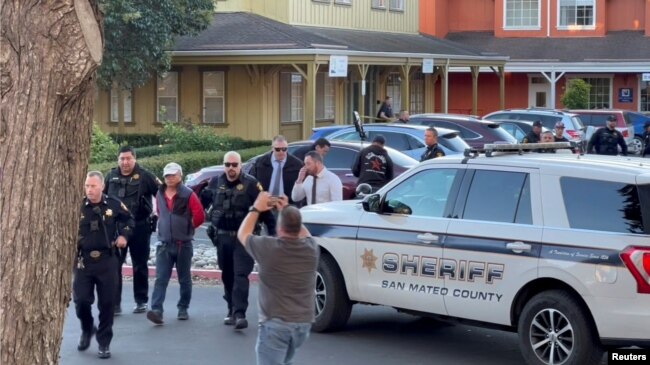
(424, 194)
(397, 141)
(499, 196)
(339, 158)
(602, 205)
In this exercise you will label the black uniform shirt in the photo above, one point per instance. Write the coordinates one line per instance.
(135, 190)
(531, 137)
(101, 223)
(432, 152)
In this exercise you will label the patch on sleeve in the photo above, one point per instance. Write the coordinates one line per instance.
(259, 187)
(124, 206)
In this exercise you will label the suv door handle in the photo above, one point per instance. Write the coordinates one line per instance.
(428, 238)
(518, 247)
(349, 175)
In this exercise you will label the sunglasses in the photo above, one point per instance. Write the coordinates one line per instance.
(278, 149)
(231, 164)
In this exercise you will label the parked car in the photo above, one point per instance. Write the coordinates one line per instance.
(406, 138)
(339, 160)
(474, 131)
(638, 120)
(553, 246)
(596, 119)
(518, 128)
(574, 130)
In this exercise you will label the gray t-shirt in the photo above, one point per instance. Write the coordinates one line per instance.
(287, 272)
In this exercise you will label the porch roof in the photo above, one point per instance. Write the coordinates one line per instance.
(619, 51)
(241, 34)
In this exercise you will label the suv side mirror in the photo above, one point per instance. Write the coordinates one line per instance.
(363, 189)
(372, 203)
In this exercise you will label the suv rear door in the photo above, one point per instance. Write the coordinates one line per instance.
(492, 247)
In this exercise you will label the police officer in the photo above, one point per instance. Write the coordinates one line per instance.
(431, 140)
(535, 135)
(233, 194)
(135, 187)
(605, 140)
(105, 223)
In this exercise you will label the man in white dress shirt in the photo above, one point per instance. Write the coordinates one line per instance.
(316, 183)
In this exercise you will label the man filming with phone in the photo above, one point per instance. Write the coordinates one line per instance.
(233, 193)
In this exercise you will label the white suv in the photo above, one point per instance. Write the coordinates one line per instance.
(554, 246)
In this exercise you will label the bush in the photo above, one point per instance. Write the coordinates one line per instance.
(189, 161)
(576, 95)
(136, 140)
(189, 137)
(102, 147)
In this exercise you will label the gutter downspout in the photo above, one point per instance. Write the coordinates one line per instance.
(548, 18)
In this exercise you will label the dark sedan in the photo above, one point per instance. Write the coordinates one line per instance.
(476, 132)
(339, 160)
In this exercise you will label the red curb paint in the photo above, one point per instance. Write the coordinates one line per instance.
(201, 273)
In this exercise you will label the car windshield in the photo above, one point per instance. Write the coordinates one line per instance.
(453, 142)
(401, 159)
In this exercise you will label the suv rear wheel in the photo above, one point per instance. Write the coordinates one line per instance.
(553, 330)
(636, 146)
(333, 306)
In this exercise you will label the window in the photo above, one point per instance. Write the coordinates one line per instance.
(576, 13)
(379, 4)
(340, 158)
(462, 131)
(325, 97)
(423, 194)
(522, 14)
(499, 196)
(603, 205)
(599, 92)
(645, 96)
(394, 90)
(126, 105)
(167, 96)
(417, 93)
(396, 5)
(343, 2)
(397, 141)
(291, 97)
(214, 97)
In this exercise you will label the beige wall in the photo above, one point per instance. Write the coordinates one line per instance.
(358, 15)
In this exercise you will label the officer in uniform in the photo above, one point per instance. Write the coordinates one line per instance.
(605, 140)
(233, 193)
(535, 135)
(135, 187)
(431, 140)
(105, 223)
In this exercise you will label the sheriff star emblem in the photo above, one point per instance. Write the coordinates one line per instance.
(368, 260)
(136, 177)
(240, 187)
(109, 213)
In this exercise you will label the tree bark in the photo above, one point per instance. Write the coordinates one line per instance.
(49, 52)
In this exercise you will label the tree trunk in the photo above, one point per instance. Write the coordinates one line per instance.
(49, 52)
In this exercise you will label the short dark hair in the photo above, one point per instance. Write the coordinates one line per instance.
(379, 139)
(125, 149)
(290, 220)
(433, 130)
(314, 156)
(322, 142)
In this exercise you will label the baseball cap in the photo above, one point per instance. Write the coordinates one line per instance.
(559, 125)
(611, 118)
(379, 139)
(172, 168)
(537, 123)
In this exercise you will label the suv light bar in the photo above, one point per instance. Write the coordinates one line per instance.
(519, 147)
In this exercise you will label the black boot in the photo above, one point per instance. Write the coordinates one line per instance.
(104, 352)
(84, 340)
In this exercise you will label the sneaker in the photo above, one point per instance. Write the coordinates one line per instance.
(104, 352)
(117, 310)
(140, 308)
(229, 319)
(241, 323)
(182, 314)
(155, 317)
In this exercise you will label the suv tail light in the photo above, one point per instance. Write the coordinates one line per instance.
(637, 260)
(626, 133)
(575, 135)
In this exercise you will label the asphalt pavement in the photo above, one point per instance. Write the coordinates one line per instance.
(374, 335)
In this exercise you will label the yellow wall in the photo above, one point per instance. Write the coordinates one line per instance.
(358, 15)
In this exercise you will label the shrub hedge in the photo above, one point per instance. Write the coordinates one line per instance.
(189, 161)
(136, 139)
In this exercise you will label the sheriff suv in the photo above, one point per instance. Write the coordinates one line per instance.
(553, 246)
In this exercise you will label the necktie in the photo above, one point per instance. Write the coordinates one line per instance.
(313, 190)
(276, 181)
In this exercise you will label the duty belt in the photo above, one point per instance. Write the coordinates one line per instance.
(226, 233)
(97, 254)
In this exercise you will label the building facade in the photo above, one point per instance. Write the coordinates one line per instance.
(604, 42)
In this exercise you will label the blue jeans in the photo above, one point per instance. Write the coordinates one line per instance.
(168, 255)
(277, 341)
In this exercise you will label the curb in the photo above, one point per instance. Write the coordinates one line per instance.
(200, 273)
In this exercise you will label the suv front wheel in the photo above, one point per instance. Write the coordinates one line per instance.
(332, 305)
(553, 330)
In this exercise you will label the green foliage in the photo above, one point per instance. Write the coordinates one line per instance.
(189, 137)
(189, 161)
(102, 147)
(576, 95)
(138, 35)
(136, 140)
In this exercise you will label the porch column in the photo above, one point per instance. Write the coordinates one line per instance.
(445, 87)
(552, 78)
(404, 71)
(474, 70)
(309, 118)
(502, 88)
(363, 72)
